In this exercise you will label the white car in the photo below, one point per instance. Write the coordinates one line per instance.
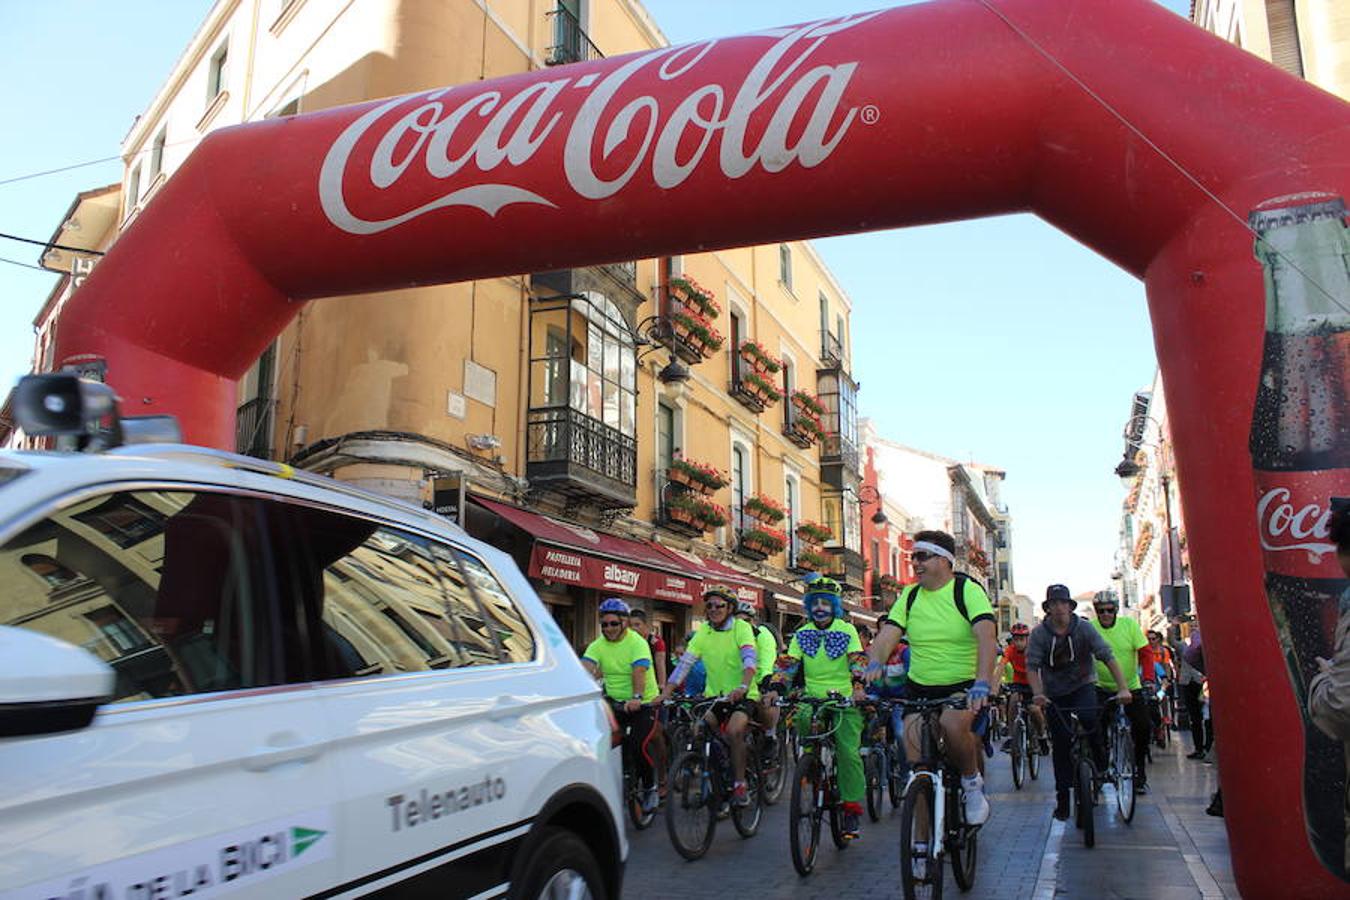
(218, 675)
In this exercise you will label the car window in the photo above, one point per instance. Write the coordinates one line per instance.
(502, 615)
(170, 588)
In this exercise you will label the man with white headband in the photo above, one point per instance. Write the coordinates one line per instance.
(949, 622)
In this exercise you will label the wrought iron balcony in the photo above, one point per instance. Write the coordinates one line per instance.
(796, 427)
(570, 43)
(572, 454)
(831, 351)
(749, 395)
(253, 428)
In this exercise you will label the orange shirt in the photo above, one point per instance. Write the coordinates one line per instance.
(1018, 659)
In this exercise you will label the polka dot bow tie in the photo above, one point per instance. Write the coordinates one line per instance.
(836, 642)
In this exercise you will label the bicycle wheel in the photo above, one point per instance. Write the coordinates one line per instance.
(1083, 788)
(691, 814)
(804, 815)
(896, 774)
(875, 789)
(1033, 755)
(920, 861)
(835, 807)
(747, 818)
(775, 772)
(634, 793)
(964, 851)
(1123, 751)
(1018, 754)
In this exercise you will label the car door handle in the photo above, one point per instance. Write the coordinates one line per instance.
(279, 749)
(506, 707)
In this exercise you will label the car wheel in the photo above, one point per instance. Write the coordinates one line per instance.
(561, 867)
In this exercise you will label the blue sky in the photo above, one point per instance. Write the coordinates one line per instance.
(1000, 340)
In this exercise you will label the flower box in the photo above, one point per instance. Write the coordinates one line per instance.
(762, 539)
(814, 533)
(761, 387)
(755, 354)
(765, 509)
(808, 403)
(690, 293)
(702, 477)
(812, 561)
(696, 511)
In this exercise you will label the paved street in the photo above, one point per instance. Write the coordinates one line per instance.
(1171, 851)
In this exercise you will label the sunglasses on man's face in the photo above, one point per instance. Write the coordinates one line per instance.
(922, 556)
(714, 606)
(1106, 610)
(610, 623)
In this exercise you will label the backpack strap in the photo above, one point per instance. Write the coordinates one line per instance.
(958, 593)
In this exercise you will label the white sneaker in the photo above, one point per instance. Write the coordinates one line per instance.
(974, 804)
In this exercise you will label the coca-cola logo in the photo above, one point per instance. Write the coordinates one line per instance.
(1286, 525)
(434, 132)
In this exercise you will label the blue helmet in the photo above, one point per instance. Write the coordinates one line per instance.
(828, 588)
(614, 605)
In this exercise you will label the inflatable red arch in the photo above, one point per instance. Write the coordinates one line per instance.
(1164, 149)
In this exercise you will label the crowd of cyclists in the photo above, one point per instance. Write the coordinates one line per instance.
(935, 657)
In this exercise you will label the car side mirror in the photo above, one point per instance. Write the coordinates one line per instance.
(48, 686)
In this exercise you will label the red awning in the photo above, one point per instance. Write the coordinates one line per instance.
(568, 553)
(748, 587)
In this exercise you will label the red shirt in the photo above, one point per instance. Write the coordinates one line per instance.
(1018, 658)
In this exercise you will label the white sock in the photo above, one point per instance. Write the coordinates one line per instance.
(972, 782)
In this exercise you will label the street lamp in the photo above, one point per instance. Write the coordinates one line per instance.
(869, 494)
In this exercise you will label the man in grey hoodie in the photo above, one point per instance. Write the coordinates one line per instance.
(1060, 668)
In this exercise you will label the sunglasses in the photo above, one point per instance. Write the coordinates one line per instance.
(1106, 610)
(714, 606)
(610, 623)
(922, 556)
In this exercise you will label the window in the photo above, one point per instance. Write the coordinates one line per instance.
(52, 573)
(840, 333)
(217, 72)
(738, 483)
(199, 617)
(1285, 51)
(157, 154)
(895, 562)
(133, 190)
(876, 560)
(665, 435)
(785, 265)
(790, 502)
(789, 385)
(734, 345)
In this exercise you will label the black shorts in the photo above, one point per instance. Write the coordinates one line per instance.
(916, 691)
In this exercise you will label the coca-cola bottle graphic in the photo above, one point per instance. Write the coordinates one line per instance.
(1300, 446)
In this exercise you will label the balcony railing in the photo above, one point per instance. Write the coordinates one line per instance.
(253, 428)
(570, 43)
(835, 450)
(795, 426)
(831, 350)
(741, 390)
(573, 454)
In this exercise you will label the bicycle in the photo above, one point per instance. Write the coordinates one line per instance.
(1085, 779)
(774, 757)
(1024, 749)
(1120, 758)
(815, 787)
(882, 769)
(701, 781)
(933, 805)
(634, 794)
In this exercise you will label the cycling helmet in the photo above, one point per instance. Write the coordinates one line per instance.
(613, 605)
(1020, 629)
(720, 590)
(745, 608)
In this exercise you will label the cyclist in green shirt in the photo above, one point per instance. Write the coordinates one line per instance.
(831, 656)
(621, 660)
(953, 646)
(727, 647)
(1126, 639)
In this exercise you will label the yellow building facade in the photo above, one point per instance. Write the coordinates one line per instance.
(576, 397)
(1307, 38)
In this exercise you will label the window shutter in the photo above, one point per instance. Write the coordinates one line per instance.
(1283, 25)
